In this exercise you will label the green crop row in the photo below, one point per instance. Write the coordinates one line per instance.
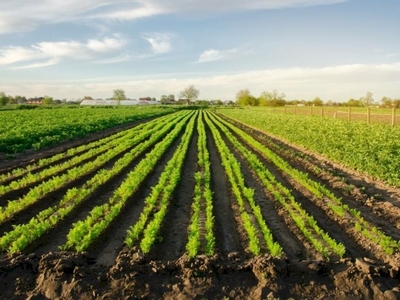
(83, 233)
(167, 182)
(202, 198)
(27, 129)
(30, 177)
(242, 193)
(322, 242)
(24, 234)
(39, 191)
(18, 172)
(371, 149)
(368, 230)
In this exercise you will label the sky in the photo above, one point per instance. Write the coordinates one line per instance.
(331, 49)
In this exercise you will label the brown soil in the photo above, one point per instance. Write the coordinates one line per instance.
(111, 271)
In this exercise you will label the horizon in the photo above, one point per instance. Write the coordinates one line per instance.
(332, 49)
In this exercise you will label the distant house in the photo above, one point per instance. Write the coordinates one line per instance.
(37, 100)
(145, 99)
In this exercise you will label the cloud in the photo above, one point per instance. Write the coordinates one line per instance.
(49, 53)
(213, 55)
(22, 15)
(160, 42)
(338, 83)
(117, 59)
(50, 62)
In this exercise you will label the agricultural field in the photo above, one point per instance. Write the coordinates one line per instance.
(41, 127)
(194, 204)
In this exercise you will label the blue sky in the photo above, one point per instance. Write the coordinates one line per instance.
(333, 49)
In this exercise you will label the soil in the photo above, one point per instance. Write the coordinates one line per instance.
(109, 270)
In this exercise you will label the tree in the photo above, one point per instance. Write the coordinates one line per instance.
(171, 97)
(164, 99)
(3, 98)
(244, 97)
(317, 101)
(47, 100)
(396, 103)
(367, 100)
(190, 93)
(353, 102)
(20, 99)
(272, 98)
(11, 100)
(386, 102)
(119, 94)
(87, 98)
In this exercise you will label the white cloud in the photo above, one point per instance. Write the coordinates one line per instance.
(160, 42)
(107, 44)
(22, 15)
(55, 52)
(338, 83)
(116, 59)
(213, 55)
(12, 54)
(50, 62)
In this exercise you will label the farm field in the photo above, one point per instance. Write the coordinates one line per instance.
(370, 149)
(37, 128)
(194, 204)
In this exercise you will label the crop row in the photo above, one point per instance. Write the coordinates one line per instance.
(245, 198)
(83, 233)
(39, 191)
(126, 139)
(71, 152)
(306, 223)
(371, 149)
(202, 219)
(23, 234)
(27, 129)
(156, 204)
(334, 204)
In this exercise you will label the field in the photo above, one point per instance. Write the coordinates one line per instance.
(194, 204)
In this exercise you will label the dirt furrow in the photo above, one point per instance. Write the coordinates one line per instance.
(108, 245)
(292, 245)
(57, 236)
(174, 231)
(226, 231)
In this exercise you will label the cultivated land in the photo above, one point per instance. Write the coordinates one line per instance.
(194, 204)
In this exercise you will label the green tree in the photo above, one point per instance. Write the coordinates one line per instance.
(354, 102)
(396, 103)
(272, 98)
(317, 101)
(190, 93)
(386, 102)
(244, 97)
(11, 100)
(3, 98)
(47, 100)
(20, 99)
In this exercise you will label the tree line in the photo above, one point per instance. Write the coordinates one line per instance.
(188, 95)
(274, 98)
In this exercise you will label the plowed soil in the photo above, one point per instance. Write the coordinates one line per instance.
(109, 270)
